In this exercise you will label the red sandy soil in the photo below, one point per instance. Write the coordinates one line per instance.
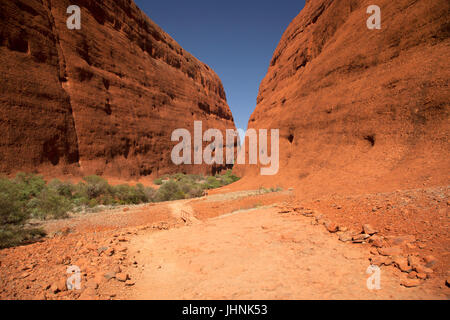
(232, 246)
(220, 204)
(363, 119)
(259, 254)
(422, 214)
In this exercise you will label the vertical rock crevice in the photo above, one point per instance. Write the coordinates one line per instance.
(73, 156)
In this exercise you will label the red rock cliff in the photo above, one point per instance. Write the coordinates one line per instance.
(359, 109)
(100, 100)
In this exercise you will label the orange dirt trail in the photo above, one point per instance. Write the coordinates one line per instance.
(257, 254)
(263, 246)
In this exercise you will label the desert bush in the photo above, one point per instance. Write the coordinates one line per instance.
(158, 182)
(96, 187)
(229, 177)
(92, 203)
(81, 201)
(169, 191)
(63, 188)
(131, 195)
(150, 194)
(96, 191)
(29, 185)
(212, 183)
(191, 185)
(14, 213)
(11, 235)
(195, 177)
(12, 204)
(178, 176)
(49, 204)
(109, 200)
(28, 196)
(195, 191)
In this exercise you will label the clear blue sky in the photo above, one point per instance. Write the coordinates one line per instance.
(235, 38)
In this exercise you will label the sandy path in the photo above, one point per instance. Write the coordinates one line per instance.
(258, 254)
(181, 210)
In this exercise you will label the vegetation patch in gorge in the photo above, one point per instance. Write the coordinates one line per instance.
(29, 196)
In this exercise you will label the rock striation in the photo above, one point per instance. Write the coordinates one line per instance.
(359, 109)
(100, 100)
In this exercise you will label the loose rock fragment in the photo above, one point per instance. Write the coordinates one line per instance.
(368, 229)
(390, 251)
(360, 237)
(430, 261)
(423, 269)
(331, 227)
(122, 277)
(345, 237)
(129, 283)
(422, 276)
(381, 260)
(409, 283)
(402, 264)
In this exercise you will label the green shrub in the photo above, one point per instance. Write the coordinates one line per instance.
(191, 185)
(28, 196)
(92, 203)
(178, 176)
(169, 191)
(80, 201)
(130, 195)
(29, 184)
(230, 176)
(150, 194)
(96, 187)
(195, 191)
(212, 183)
(11, 236)
(195, 177)
(49, 204)
(80, 191)
(109, 200)
(13, 213)
(65, 189)
(12, 204)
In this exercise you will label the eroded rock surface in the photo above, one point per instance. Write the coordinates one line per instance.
(100, 100)
(359, 109)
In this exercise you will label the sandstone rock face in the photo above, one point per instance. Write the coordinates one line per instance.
(100, 100)
(359, 109)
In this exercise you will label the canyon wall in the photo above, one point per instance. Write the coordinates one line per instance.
(359, 109)
(100, 100)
